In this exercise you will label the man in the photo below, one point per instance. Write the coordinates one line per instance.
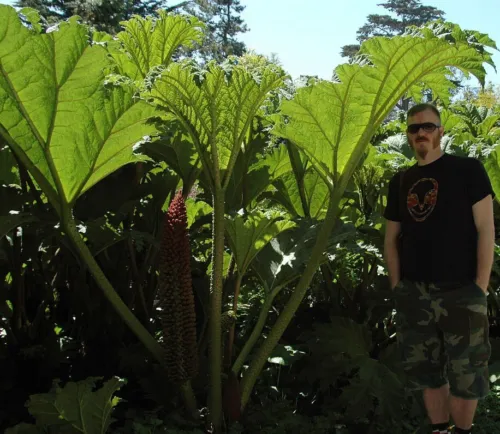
(439, 245)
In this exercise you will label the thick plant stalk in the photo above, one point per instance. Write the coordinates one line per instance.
(176, 300)
(295, 299)
(189, 399)
(121, 308)
(216, 284)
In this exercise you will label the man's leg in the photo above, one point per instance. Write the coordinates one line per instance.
(439, 404)
(436, 404)
(422, 350)
(464, 322)
(462, 411)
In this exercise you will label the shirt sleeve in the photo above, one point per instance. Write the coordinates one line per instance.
(392, 210)
(477, 181)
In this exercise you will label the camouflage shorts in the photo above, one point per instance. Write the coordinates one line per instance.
(443, 336)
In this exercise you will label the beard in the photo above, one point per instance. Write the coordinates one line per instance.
(422, 152)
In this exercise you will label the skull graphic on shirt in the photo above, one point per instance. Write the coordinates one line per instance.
(422, 198)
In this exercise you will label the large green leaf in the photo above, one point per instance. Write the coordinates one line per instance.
(64, 124)
(7, 223)
(332, 347)
(216, 107)
(283, 259)
(332, 122)
(375, 386)
(341, 349)
(341, 336)
(449, 120)
(177, 150)
(250, 179)
(249, 234)
(77, 407)
(247, 182)
(492, 166)
(285, 355)
(245, 187)
(196, 209)
(9, 173)
(311, 186)
(24, 428)
(489, 125)
(475, 121)
(277, 163)
(297, 187)
(149, 42)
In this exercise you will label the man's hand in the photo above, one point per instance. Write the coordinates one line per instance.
(391, 253)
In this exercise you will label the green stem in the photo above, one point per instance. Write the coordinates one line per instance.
(191, 179)
(256, 332)
(121, 308)
(295, 299)
(298, 170)
(138, 282)
(325, 270)
(189, 399)
(228, 281)
(216, 283)
(19, 314)
(232, 329)
(41, 180)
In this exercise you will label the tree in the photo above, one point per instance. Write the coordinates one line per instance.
(488, 97)
(222, 18)
(105, 15)
(42, 6)
(224, 23)
(407, 13)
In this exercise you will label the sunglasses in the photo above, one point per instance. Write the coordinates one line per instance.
(428, 127)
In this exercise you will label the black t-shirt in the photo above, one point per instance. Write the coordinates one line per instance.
(434, 205)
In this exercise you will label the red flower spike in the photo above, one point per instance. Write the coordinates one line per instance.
(175, 295)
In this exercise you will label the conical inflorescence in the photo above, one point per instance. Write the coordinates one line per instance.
(175, 295)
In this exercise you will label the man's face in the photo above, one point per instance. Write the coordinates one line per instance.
(422, 142)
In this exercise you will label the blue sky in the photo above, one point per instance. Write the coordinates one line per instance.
(307, 35)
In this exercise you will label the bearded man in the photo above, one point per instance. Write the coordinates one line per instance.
(439, 245)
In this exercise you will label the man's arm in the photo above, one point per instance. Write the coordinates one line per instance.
(483, 219)
(391, 252)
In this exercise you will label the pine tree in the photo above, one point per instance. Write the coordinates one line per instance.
(405, 13)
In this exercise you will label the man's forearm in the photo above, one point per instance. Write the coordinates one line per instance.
(485, 257)
(392, 262)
